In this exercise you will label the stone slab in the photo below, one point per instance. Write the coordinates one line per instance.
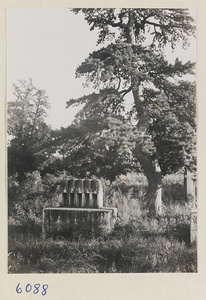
(66, 221)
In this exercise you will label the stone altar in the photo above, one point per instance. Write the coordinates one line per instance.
(81, 210)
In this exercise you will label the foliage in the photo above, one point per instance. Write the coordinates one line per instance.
(87, 149)
(127, 193)
(157, 135)
(31, 196)
(168, 108)
(27, 129)
(173, 188)
(124, 251)
(129, 199)
(13, 192)
(26, 114)
(132, 187)
(164, 25)
(138, 243)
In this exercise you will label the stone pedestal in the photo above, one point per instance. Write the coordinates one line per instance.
(82, 211)
(66, 221)
(193, 226)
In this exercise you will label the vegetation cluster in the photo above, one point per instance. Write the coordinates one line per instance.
(138, 243)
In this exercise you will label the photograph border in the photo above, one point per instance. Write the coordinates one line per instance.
(109, 286)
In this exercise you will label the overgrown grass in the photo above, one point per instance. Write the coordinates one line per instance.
(138, 244)
(129, 248)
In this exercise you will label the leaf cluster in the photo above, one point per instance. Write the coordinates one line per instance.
(165, 26)
(27, 129)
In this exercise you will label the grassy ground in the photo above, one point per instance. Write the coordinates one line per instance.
(138, 244)
(128, 249)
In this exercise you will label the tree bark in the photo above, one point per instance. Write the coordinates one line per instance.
(151, 168)
(129, 30)
(154, 176)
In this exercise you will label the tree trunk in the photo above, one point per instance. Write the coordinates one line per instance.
(154, 176)
(150, 166)
(155, 191)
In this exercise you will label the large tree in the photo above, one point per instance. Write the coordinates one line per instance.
(27, 129)
(134, 64)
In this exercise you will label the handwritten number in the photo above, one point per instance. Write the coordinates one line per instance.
(28, 287)
(45, 287)
(18, 289)
(36, 290)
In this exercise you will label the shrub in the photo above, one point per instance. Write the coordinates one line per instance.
(31, 255)
(130, 179)
(173, 189)
(31, 197)
(127, 197)
(177, 209)
(13, 192)
(135, 185)
(127, 206)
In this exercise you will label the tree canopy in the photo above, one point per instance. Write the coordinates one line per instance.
(159, 129)
(27, 128)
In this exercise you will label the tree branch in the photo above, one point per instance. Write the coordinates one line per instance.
(124, 92)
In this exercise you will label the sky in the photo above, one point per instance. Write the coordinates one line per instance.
(48, 45)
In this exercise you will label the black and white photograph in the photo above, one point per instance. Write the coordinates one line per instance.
(101, 141)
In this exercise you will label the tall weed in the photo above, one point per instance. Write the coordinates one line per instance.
(122, 254)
